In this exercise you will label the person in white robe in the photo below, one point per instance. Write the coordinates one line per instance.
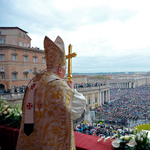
(50, 104)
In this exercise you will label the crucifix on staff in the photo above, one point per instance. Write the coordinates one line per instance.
(69, 57)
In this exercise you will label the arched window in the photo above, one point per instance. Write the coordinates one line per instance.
(30, 70)
(1, 41)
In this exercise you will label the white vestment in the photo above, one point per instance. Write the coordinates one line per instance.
(55, 106)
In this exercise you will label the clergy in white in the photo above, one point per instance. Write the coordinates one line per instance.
(50, 104)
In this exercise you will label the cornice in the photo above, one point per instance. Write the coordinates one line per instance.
(20, 48)
(35, 56)
(25, 55)
(15, 54)
(14, 72)
(25, 72)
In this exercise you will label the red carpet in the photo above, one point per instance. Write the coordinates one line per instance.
(9, 136)
(89, 142)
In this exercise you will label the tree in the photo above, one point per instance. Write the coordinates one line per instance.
(100, 77)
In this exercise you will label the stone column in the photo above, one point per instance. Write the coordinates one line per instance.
(93, 100)
(133, 84)
(103, 98)
(107, 96)
(130, 85)
(100, 98)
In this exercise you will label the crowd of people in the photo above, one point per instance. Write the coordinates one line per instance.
(129, 102)
(15, 89)
(102, 130)
(19, 89)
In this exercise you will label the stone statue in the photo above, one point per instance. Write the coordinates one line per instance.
(87, 116)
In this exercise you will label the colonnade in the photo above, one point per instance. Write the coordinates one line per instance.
(96, 96)
(121, 84)
(104, 97)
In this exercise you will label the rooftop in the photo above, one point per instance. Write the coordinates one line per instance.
(13, 28)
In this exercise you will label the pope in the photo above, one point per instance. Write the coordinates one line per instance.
(50, 104)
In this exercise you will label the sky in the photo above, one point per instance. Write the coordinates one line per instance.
(107, 35)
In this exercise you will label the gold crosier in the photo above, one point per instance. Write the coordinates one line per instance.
(69, 57)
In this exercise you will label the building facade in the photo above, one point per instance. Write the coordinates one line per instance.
(14, 36)
(18, 62)
(79, 79)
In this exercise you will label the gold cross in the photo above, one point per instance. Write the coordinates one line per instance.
(69, 57)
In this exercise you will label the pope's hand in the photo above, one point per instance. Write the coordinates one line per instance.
(70, 84)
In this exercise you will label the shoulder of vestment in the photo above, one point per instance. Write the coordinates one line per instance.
(60, 83)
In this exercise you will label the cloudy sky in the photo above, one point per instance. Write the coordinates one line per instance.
(107, 35)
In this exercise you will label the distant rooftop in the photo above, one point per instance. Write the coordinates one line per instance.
(76, 76)
(13, 28)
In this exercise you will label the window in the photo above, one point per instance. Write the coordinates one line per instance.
(25, 52)
(30, 70)
(95, 99)
(35, 69)
(14, 57)
(25, 76)
(77, 80)
(2, 68)
(14, 76)
(34, 74)
(0, 33)
(34, 53)
(89, 102)
(25, 58)
(20, 34)
(2, 57)
(43, 60)
(24, 44)
(1, 41)
(20, 43)
(34, 59)
(39, 70)
(24, 36)
(80, 79)
(2, 50)
(14, 50)
(2, 76)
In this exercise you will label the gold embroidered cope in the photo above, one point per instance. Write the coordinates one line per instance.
(53, 128)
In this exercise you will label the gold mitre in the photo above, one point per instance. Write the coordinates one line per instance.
(54, 52)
